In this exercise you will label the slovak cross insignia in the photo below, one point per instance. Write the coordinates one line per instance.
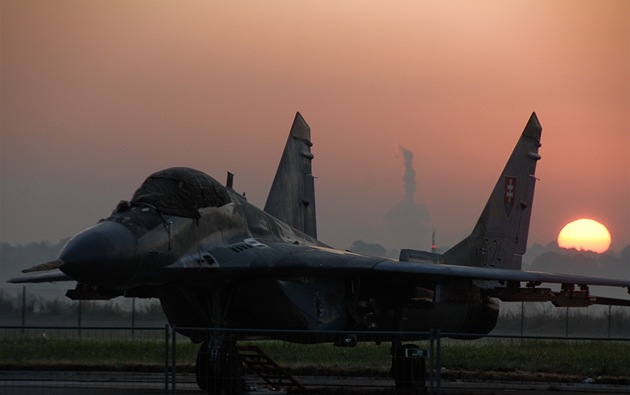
(509, 193)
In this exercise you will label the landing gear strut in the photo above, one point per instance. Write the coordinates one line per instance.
(408, 368)
(218, 370)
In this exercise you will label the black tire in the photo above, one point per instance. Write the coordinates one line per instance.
(202, 367)
(221, 375)
(409, 373)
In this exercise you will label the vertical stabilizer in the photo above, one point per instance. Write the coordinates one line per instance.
(292, 195)
(499, 238)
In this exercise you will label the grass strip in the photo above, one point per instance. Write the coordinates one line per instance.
(549, 357)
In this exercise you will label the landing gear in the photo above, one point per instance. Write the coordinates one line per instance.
(218, 370)
(408, 368)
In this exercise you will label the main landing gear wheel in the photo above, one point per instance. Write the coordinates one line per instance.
(409, 368)
(218, 370)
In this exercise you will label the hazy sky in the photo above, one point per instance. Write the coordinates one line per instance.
(96, 95)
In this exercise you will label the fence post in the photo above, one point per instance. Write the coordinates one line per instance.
(79, 317)
(431, 354)
(133, 318)
(439, 360)
(166, 359)
(23, 307)
(174, 356)
(522, 318)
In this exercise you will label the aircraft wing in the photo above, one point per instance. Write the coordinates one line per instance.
(253, 258)
(484, 273)
(286, 259)
(509, 289)
(276, 258)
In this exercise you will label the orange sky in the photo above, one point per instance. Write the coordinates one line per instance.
(97, 95)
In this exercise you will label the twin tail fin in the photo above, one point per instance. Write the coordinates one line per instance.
(499, 239)
(292, 195)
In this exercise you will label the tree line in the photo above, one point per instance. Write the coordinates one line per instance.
(15, 309)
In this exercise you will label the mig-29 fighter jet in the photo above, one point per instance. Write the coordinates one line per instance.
(216, 261)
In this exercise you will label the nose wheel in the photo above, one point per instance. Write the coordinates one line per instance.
(218, 370)
(409, 368)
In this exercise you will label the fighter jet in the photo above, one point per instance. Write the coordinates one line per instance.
(216, 261)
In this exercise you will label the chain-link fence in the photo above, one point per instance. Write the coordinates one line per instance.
(56, 345)
(161, 360)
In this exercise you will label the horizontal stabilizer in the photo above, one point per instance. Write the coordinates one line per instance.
(407, 255)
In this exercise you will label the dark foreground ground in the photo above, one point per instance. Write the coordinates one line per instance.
(101, 383)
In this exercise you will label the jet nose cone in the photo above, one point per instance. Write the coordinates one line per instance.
(102, 255)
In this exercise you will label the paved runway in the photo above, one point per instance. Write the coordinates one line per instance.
(105, 383)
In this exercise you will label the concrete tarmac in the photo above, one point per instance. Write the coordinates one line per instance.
(140, 383)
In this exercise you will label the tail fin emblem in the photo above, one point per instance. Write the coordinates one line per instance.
(509, 192)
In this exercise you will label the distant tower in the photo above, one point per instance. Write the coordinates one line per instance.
(433, 246)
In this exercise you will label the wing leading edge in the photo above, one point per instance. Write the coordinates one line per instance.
(493, 274)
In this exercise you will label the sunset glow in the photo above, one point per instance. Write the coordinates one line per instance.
(96, 95)
(585, 235)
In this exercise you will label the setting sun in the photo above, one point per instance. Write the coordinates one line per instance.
(585, 235)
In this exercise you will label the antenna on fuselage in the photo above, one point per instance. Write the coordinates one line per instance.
(229, 183)
(230, 180)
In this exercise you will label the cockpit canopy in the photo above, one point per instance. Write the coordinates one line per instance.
(180, 191)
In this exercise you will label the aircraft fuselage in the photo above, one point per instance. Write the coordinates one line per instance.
(153, 254)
